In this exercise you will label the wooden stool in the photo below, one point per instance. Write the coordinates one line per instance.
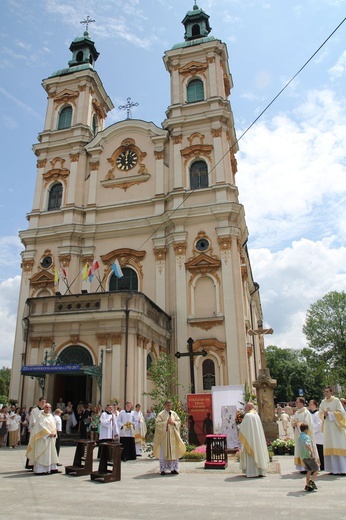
(110, 463)
(83, 459)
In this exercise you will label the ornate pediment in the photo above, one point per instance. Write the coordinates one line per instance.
(66, 96)
(196, 150)
(203, 264)
(56, 174)
(126, 257)
(42, 280)
(192, 68)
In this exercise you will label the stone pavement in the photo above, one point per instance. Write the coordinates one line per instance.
(142, 493)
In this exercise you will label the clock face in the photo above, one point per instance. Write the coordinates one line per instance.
(126, 160)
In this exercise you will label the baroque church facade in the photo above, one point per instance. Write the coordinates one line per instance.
(161, 203)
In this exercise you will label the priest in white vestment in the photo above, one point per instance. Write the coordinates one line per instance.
(41, 451)
(333, 416)
(254, 458)
(302, 415)
(168, 446)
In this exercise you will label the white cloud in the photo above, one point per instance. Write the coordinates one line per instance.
(292, 171)
(339, 69)
(9, 293)
(292, 279)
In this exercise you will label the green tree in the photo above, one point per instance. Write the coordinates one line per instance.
(293, 373)
(164, 376)
(325, 330)
(5, 377)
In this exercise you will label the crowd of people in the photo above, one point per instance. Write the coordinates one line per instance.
(319, 434)
(41, 429)
(324, 425)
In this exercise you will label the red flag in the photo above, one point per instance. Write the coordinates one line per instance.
(94, 266)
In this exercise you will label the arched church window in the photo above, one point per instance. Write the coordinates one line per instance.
(149, 361)
(80, 56)
(195, 91)
(55, 197)
(198, 175)
(94, 127)
(128, 282)
(76, 355)
(65, 118)
(208, 370)
(196, 31)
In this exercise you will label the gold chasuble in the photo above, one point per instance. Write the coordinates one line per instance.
(167, 436)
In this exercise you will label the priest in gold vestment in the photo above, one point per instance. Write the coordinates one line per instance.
(254, 458)
(333, 417)
(168, 446)
(41, 451)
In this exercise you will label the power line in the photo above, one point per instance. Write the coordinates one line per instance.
(248, 128)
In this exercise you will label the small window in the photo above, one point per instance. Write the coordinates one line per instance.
(128, 282)
(196, 30)
(55, 197)
(198, 175)
(80, 56)
(149, 361)
(208, 368)
(94, 127)
(195, 91)
(65, 118)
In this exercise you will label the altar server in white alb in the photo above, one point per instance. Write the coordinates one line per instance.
(333, 415)
(108, 425)
(126, 422)
(254, 458)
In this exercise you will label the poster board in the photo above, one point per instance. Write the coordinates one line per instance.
(200, 417)
(226, 398)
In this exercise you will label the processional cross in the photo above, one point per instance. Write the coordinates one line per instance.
(191, 355)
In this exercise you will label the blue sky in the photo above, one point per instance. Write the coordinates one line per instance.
(291, 164)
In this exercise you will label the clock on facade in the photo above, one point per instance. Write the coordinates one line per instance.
(126, 160)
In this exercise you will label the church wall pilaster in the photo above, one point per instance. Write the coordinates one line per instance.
(92, 193)
(116, 362)
(177, 162)
(229, 265)
(160, 252)
(217, 145)
(71, 191)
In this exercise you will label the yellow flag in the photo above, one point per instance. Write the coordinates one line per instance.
(85, 271)
(56, 276)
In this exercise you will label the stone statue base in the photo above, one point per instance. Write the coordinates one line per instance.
(271, 431)
(265, 398)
